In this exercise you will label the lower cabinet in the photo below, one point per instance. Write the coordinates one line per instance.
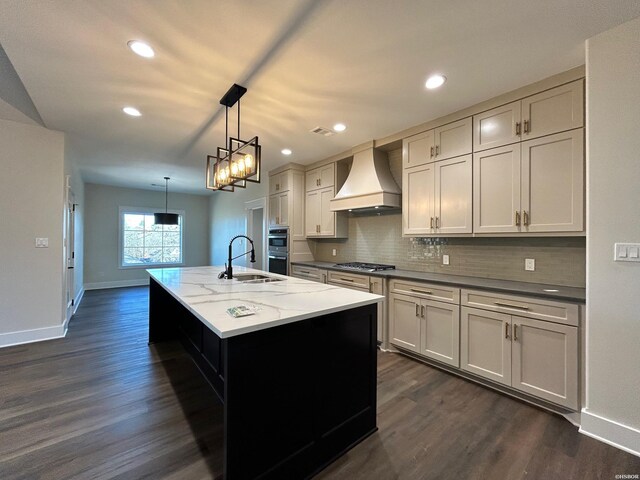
(429, 328)
(534, 356)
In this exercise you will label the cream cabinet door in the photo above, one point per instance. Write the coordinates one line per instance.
(284, 209)
(418, 149)
(440, 332)
(404, 322)
(553, 111)
(545, 360)
(497, 127)
(496, 190)
(454, 139)
(279, 183)
(311, 180)
(418, 200)
(553, 183)
(312, 213)
(327, 217)
(453, 195)
(485, 344)
(326, 175)
(274, 209)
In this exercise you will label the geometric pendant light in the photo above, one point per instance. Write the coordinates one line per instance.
(166, 218)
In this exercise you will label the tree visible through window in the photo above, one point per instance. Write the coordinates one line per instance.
(144, 242)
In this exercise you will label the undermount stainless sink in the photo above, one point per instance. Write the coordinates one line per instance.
(256, 278)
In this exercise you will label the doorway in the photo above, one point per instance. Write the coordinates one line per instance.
(256, 229)
(69, 250)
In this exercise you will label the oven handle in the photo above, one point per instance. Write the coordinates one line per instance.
(277, 258)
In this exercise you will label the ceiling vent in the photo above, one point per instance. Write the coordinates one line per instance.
(325, 132)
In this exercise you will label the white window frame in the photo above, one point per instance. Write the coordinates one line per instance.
(145, 211)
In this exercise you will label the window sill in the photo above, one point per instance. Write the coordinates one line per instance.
(150, 265)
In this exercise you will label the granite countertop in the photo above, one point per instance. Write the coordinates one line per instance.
(206, 296)
(552, 292)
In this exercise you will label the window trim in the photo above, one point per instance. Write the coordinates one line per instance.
(145, 211)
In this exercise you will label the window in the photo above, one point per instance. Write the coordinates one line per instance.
(143, 243)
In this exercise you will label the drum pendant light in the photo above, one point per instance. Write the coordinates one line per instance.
(166, 218)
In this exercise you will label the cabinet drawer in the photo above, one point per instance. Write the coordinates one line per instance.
(426, 290)
(309, 273)
(360, 282)
(540, 309)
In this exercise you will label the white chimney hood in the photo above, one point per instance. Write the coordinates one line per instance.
(369, 185)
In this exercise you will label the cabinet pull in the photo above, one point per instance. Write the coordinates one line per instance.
(517, 218)
(421, 291)
(347, 279)
(511, 305)
(518, 129)
(437, 222)
(527, 126)
(277, 187)
(304, 271)
(525, 218)
(437, 150)
(417, 310)
(431, 222)
(515, 332)
(431, 152)
(422, 311)
(506, 330)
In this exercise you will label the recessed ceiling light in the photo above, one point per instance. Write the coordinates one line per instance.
(286, 151)
(339, 127)
(435, 81)
(134, 112)
(141, 48)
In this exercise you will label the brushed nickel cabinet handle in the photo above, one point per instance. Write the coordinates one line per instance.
(431, 222)
(525, 218)
(347, 279)
(422, 311)
(511, 305)
(518, 129)
(527, 126)
(431, 152)
(437, 150)
(426, 292)
(437, 222)
(506, 330)
(515, 332)
(417, 310)
(277, 187)
(517, 218)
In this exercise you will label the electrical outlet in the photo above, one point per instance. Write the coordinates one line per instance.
(445, 259)
(334, 252)
(42, 242)
(530, 264)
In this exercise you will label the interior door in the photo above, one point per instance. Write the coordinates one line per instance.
(69, 242)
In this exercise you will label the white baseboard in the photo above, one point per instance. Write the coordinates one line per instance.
(116, 284)
(610, 432)
(77, 300)
(30, 336)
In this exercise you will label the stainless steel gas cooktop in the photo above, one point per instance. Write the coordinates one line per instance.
(366, 267)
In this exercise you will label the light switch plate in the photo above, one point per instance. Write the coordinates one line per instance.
(42, 242)
(627, 252)
(445, 259)
(334, 252)
(530, 264)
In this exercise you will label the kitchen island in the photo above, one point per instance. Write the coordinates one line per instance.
(297, 378)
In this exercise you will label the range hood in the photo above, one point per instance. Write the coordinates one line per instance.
(369, 188)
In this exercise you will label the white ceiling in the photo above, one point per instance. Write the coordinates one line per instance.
(305, 63)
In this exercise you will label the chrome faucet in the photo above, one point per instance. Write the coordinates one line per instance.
(228, 269)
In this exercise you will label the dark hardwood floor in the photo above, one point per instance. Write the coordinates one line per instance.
(102, 404)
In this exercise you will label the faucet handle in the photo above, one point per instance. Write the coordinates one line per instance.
(223, 274)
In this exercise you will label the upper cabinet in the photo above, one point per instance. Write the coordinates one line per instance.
(321, 177)
(552, 111)
(321, 185)
(447, 141)
(279, 182)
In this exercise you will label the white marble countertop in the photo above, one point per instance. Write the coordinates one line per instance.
(278, 303)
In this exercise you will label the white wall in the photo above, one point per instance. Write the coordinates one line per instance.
(613, 194)
(31, 205)
(101, 262)
(228, 218)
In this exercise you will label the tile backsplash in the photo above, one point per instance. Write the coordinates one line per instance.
(559, 260)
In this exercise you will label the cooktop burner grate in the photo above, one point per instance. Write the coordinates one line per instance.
(369, 267)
